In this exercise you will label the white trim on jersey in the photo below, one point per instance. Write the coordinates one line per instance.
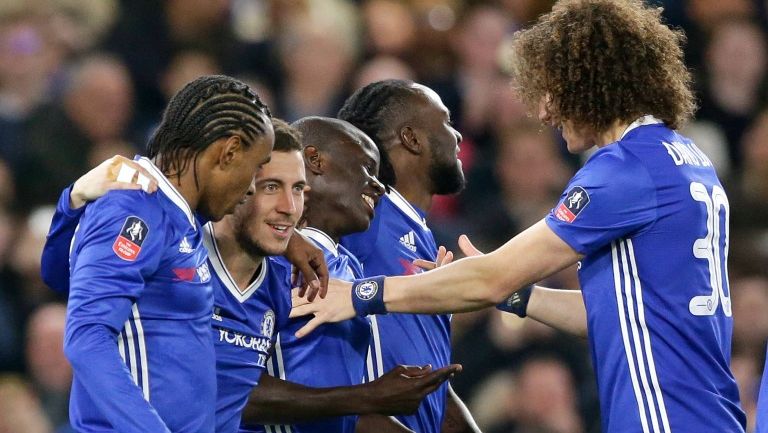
(214, 256)
(406, 207)
(321, 238)
(634, 329)
(642, 121)
(276, 368)
(142, 352)
(168, 189)
(137, 350)
(375, 370)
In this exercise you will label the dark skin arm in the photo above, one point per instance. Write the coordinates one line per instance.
(308, 260)
(400, 391)
(380, 424)
(457, 418)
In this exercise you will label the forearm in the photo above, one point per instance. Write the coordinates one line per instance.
(276, 401)
(560, 309)
(93, 353)
(457, 418)
(481, 281)
(374, 423)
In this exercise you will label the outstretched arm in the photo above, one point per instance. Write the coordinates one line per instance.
(468, 284)
(400, 391)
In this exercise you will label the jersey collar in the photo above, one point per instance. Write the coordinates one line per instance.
(214, 256)
(168, 189)
(322, 239)
(642, 121)
(401, 203)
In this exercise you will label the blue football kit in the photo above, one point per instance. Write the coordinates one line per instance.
(398, 235)
(244, 325)
(651, 219)
(138, 315)
(334, 354)
(244, 322)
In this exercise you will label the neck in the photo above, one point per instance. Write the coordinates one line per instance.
(612, 134)
(413, 181)
(185, 184)
(240, 263)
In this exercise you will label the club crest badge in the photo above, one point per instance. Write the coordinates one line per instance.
(366, 290)
(128, 244)
(575, 202)
(268, 324)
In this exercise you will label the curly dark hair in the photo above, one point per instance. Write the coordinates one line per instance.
(598, 62)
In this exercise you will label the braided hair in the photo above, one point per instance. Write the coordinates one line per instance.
(372, 109)
(205, 110)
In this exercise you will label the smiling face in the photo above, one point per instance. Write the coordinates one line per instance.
(344, 186)
(265, 222)
(432, 121)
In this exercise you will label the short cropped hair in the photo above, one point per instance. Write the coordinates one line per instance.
(287, 138)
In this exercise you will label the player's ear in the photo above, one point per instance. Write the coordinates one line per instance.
(229, 149)
(314, 160)
(409, 140)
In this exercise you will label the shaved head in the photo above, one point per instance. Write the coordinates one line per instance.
(328, 134)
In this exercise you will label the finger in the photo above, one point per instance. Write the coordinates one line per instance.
(303, 310)
(447, 259)
(321, 270)
(415, 371)
(122, 185)
(309, 276)
(309, 327)
(425, 264)
(440, 254)
(467, 247)
(439, 376)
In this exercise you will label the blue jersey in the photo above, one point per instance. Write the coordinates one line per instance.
(244, 327)
(399, 234)
(651, 219)
(762, 401)
(332, 355)
(244, 322)
(138, 317)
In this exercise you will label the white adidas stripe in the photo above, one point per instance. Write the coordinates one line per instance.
(137, 351)
(635, 334)
(142, 352)
(276, 368)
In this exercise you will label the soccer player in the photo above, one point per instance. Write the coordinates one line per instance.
(412, 129)
(646, 217)
(341, 163)
(251, 295)
(138, 317)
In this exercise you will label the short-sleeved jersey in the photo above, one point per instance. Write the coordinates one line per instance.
(244, 326)
(651, 219)
(334, 354)
(139, 313)
(762, 401)
(398, 235)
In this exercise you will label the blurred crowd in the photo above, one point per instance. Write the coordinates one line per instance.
(81, 80)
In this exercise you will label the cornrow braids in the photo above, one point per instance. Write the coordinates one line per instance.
(205, 110)
(372, 109)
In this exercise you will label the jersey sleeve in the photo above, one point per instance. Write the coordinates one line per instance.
(118, 245)
(611, 197)
(54, 263)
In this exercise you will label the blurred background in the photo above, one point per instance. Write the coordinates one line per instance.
(81, 80)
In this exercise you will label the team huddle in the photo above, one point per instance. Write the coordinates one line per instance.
(181, 265)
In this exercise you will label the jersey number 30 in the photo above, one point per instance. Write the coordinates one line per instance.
(709, 248)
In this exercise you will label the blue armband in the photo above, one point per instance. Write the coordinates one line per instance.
(368, 296)
(517, 303)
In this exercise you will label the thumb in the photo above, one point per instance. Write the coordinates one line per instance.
(467, 248)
